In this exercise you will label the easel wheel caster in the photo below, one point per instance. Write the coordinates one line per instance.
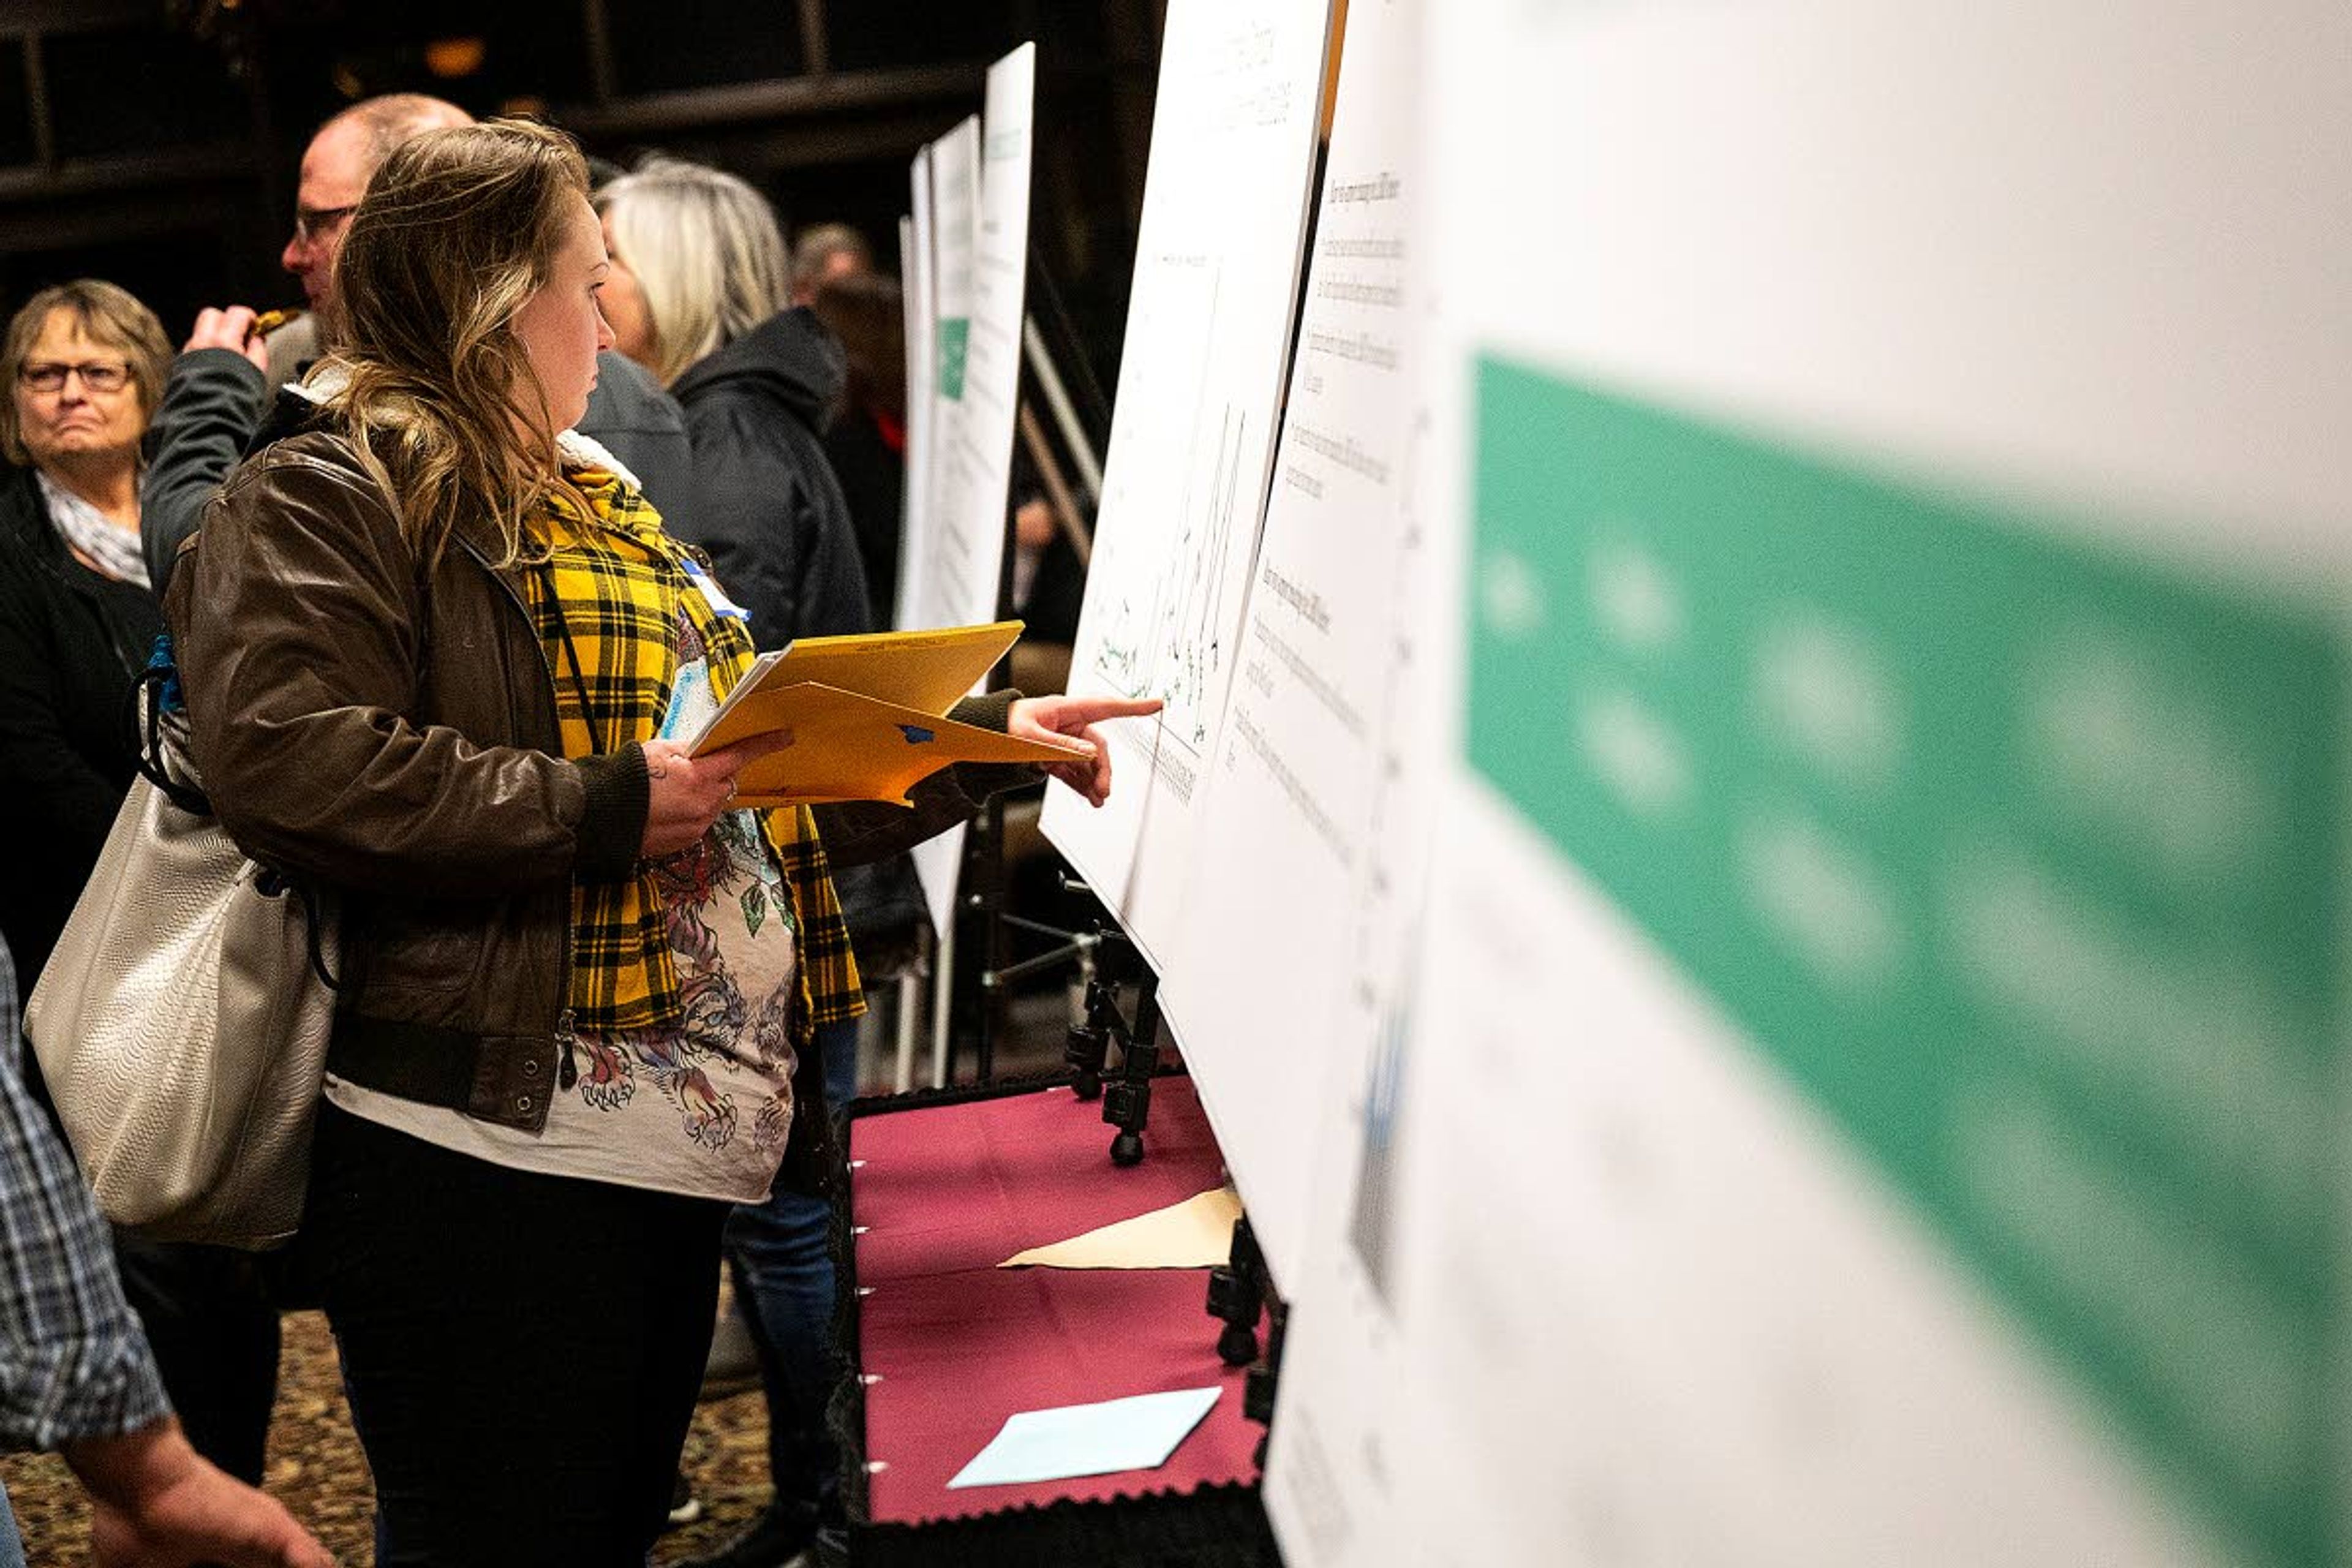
(1237, 1346)
(1087, 1085)
(1127, 1149)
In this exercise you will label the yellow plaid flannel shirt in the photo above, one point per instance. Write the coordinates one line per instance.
(618, 585)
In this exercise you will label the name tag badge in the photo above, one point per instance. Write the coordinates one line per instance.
(712, 594)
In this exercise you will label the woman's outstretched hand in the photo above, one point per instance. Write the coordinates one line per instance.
(684, 794)
(1064, 719)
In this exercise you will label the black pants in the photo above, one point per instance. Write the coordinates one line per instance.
(211, 1313)
(523, 1353)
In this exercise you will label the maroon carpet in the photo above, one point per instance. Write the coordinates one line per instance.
(951, 1345)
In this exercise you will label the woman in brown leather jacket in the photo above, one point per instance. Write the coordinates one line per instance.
(433, 649)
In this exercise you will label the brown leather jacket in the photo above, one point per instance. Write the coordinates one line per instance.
(385, 727)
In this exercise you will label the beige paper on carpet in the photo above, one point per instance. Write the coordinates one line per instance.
(1195, 1234)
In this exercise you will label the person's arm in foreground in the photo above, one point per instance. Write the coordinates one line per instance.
(76, 1374)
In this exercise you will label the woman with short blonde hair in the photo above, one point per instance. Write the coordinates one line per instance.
(701, 298)
(707, 256)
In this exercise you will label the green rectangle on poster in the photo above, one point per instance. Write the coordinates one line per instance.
(955, 346)
(2020, 855)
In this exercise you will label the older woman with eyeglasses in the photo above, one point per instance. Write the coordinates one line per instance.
(83, 365)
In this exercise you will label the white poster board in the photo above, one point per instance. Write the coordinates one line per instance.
(1877, 1088)
(1333, 738)
(979, 379)
(932, 423)
(1298, 834)
(922, 299)
(1338, 1471)
(1208, 331)
(983, 169)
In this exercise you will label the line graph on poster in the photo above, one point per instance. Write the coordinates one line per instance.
(1166, 633)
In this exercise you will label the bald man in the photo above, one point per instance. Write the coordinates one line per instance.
(215, 407)
(218, 390)
(336, 168)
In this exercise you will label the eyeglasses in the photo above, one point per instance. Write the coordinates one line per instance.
(309, 223)
(99, 375)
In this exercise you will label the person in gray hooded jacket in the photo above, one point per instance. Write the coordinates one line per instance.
(701, 294)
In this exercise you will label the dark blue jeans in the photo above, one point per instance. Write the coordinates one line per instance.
(783, 1287)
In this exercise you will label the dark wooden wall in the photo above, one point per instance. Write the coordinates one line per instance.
(155, 141)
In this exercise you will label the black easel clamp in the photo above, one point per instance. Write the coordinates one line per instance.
(1258, 1385)
(1237, 1295)
(1087, 1044)
(1126, 1104)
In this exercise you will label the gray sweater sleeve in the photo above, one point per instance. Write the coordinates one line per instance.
(213, 403)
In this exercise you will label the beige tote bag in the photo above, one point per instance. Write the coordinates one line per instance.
(183, 1022)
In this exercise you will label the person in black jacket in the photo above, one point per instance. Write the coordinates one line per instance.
(699, 294)
(83, 362)
(768, 505)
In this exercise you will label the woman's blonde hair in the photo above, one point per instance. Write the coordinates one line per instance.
(110, 317)
(707, 254)
(457, 230)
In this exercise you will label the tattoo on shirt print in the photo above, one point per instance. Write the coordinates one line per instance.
(726, 879)
(713, 1008)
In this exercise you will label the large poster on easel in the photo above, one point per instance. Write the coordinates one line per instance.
(914, 270)
(1200, 383)
(1296, 1002)
(1303, 823)
(983, 167)
(1877, 1090)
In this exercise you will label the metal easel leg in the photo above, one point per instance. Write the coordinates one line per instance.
(942, 1004)
(910, 1009)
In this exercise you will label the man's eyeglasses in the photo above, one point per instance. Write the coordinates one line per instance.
(100, 375)
(309, 223)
